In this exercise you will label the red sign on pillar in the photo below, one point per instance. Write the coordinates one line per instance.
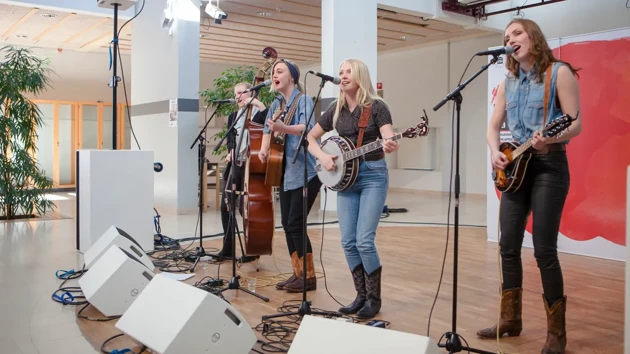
(379, 85)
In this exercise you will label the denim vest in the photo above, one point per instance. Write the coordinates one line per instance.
(294, 173)
(524, 103)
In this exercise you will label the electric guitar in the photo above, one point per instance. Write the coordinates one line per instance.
(510, 179)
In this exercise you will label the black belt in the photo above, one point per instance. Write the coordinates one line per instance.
(550, 148)
(374, 157)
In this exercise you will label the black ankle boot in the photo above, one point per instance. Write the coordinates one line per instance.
(359, 285)
(373, 289)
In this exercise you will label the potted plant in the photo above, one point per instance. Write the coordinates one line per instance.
(224, 87)
(23, 184)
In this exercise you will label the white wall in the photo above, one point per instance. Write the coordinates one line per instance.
(573, 17)
(82, 76)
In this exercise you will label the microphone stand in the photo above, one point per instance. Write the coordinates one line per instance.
(453, 343)
(305, 306)
(201, 140)
(234, 281)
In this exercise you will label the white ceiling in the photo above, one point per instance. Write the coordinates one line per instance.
(295, 24)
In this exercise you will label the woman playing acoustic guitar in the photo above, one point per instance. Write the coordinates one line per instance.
(360, 206)
(538, 89)
(297, 106)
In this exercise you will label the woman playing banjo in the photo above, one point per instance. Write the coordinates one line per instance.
(360, 206)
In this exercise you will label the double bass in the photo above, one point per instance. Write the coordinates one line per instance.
(258, 205)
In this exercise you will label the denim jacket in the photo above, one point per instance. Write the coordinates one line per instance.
(524, 103)
(294, 173)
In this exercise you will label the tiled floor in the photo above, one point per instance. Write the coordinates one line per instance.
(31, 252)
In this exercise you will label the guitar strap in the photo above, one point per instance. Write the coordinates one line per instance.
(288, 118)
(547, 89)
(363, 123)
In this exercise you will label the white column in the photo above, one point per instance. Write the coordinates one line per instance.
(348, 31)
(165, 68)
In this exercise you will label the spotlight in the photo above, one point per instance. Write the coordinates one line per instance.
(216, 13)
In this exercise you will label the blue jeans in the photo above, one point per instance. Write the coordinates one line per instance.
(359, 209)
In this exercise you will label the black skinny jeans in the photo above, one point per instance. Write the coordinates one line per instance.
(291, 208)
(543, 192)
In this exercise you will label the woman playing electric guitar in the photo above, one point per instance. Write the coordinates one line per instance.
(538, 89)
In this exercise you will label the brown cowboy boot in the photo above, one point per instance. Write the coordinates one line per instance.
(297, 285)
(511, 322)
(295, 264)
(358, 278)
(556, 331)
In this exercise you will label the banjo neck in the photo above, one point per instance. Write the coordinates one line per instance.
(353, 154)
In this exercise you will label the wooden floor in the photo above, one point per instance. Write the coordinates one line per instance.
(412, 259)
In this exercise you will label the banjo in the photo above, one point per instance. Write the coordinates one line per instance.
(346, 168)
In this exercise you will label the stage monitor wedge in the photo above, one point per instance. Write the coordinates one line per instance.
(171, 317)
(114, 282)
(354, 338)
(118, 237)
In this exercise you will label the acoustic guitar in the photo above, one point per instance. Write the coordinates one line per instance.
(510, 179)
(276, 153)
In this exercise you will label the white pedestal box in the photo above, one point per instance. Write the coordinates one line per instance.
(171, 317)
(318, 335)
(114, 187)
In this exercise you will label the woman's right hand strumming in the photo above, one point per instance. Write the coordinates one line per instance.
(499, 160)
(327, 161)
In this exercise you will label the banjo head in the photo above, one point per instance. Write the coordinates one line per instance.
(342, 176)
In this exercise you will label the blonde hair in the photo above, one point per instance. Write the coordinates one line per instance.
(366, 94)
(246, 84)
(287, 63)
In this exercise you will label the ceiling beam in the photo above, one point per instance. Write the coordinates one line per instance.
(8, 32)
(84, 7)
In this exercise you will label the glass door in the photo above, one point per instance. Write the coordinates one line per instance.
(107, 126)
(66, 144)
(46, 139)
(88, 126)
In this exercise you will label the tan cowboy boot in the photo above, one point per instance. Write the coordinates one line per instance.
(297, 285)
(295, 264)
(556, 331)
(511, 322)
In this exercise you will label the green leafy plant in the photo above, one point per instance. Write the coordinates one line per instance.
(23, 184)
(223, 88)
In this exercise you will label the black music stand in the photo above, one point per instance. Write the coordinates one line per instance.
(234, 283)
(305, 306)
(201, 141)
(453, 343)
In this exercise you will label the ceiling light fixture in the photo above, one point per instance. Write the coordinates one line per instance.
(216, 13)
(47, 15)
(263, 14)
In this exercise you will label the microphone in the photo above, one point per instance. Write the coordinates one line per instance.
(507, 50)
(231, 100)
(158, 167)
(335, 80)
(259, 86)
